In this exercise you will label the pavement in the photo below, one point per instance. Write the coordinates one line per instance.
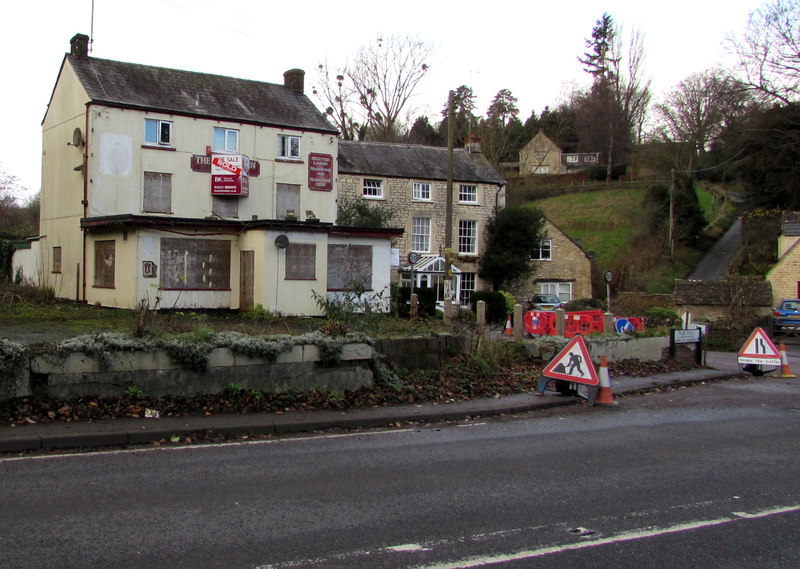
(129, 432)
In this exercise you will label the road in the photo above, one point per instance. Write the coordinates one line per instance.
(702, 477)
(715, 262)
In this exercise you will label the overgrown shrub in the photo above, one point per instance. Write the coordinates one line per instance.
(658, 316)
(496, 309)
(425, 296)
(580, 304)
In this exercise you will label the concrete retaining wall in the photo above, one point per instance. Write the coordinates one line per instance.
(420, 352)
(156, 374)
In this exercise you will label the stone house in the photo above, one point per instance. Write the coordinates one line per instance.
(201, 190)
(561, 268)
(411, 181)
(540, 156)
(785, 275)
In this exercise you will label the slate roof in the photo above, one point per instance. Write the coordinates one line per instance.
(395, 160)
(190, 93)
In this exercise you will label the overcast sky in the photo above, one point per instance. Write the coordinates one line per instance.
(529, 46)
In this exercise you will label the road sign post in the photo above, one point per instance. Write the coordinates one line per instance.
(573, 364)
(759, 350)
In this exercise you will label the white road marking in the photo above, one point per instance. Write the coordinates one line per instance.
(631, 535)
(198, 446)
(408, 547)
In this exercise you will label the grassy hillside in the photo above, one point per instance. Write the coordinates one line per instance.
(614, 223)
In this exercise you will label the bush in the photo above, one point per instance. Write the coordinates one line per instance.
(496, 310)
(425, 296)
(580, 304)
(657, 316)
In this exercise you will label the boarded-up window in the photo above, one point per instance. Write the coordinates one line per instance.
(196, 264)
(349, 267)
(104, 264)
(225, 206)
(301, 261)
(157, 193)
(56, 259)
(288, 198)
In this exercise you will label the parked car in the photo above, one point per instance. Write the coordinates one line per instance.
(545, 302)
(787, 314)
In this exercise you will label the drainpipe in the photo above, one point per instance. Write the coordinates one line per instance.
(85, 200)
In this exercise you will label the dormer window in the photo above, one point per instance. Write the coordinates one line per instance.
(157, 132)
(226, 140)
(289, 147)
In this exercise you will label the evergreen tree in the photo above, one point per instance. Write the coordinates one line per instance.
(511, 234)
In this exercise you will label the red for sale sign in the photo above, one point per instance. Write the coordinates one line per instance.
(229, 175)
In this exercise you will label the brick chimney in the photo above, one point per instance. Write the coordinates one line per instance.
(79, 46)
(295, 80)
(473, 145)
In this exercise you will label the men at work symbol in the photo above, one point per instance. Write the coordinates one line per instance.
(574, 362)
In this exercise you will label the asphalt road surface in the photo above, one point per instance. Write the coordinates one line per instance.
(702, 477)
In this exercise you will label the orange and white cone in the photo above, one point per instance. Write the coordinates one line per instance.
(786, 371)
(509, 329)
(604, 395)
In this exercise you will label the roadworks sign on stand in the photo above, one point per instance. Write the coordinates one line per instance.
(572, 364)
(759, 349)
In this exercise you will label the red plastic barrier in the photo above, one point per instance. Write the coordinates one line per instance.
(543, 323)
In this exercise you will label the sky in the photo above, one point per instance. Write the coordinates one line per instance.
(527, 46)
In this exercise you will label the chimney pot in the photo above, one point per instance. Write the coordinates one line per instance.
(473, 144)
(79, 46)
(294, 79)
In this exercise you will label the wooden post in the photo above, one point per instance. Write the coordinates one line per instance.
(414, 306)
(481, 319)
(561, 323)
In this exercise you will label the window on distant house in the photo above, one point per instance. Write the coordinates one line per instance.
(157, 193)
(225, 206)
(421, 191)
(157, 132)
(572, 159)
(287, 199)
(349, 267)
(301, 261)
(421, 234)
(540, 154)
(468, 237)
(468, 193)
(225, 140)
(104, 262)
(541, 170)
(195, 264)
(289, 146)
(543, 251)
(373, 189)
(56, 259)
(562, 290)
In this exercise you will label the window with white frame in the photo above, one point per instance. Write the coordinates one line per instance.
(421, 234)
(421, 191)
(468, 193)
(468, 237)
(572, 158)
(157, 132)
(543, 251)
(289, 146)
(466, 288)
(562, 290)
(226, 140)
(541, 170)
(373, 188)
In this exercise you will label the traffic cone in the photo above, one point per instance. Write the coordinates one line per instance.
(509, 329)
(785, 369)
(604, 395)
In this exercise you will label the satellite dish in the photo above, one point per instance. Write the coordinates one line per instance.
(281, 241)
(77, 137)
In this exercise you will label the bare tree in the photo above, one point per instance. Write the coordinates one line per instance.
(769, 51)
(618, 100)
(368, 95)
(695, 113)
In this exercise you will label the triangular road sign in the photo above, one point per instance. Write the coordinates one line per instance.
(573, 363)
(759, 349)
